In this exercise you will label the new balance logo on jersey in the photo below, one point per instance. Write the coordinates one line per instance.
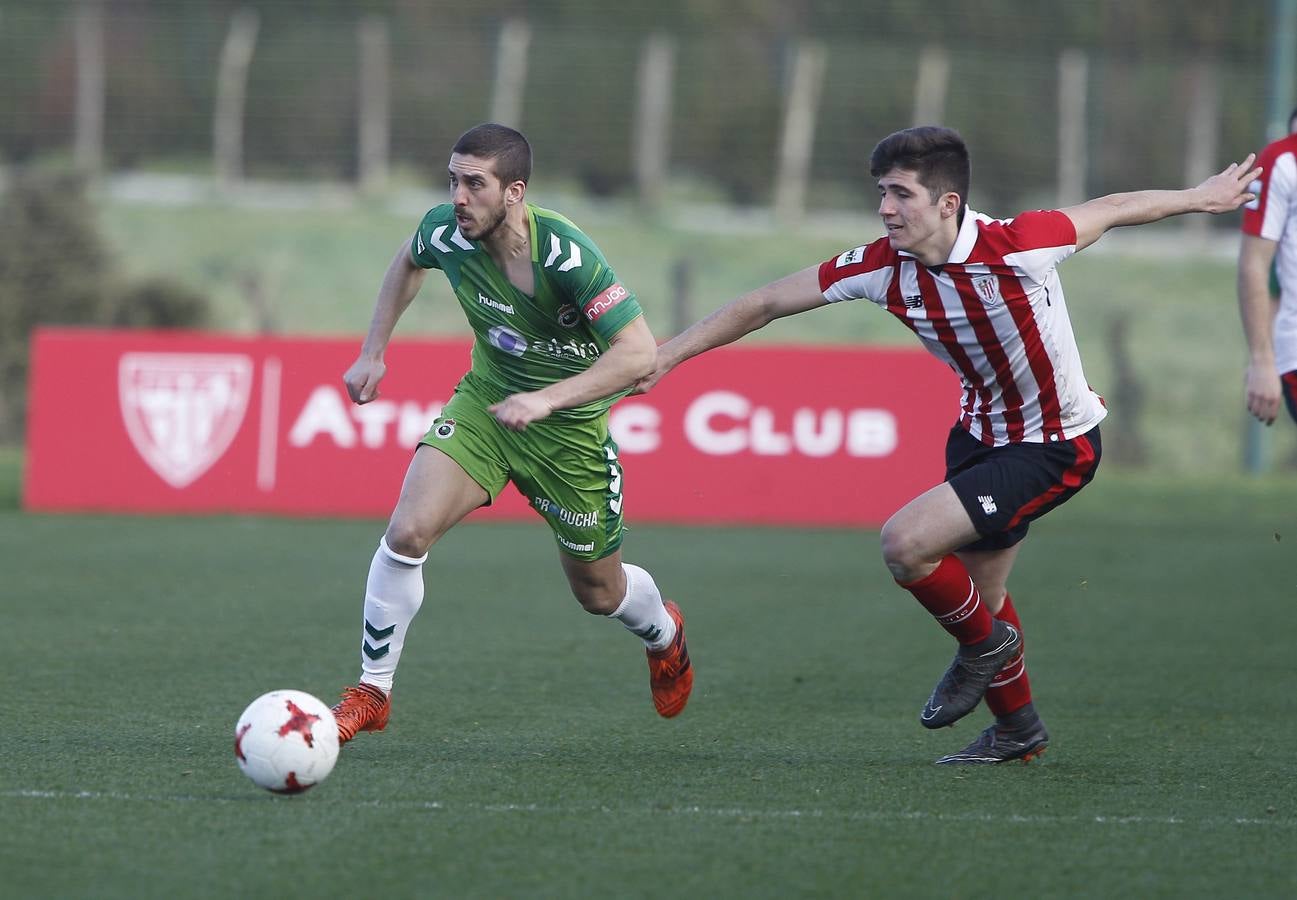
(494, 304)
(988, 504)
(914, 301)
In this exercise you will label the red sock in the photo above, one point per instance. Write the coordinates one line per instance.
(1010, 691)
(951, 597)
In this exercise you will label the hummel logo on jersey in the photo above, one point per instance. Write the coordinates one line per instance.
(494, 304)
(555, 250)
(575, 547)
(914, 301)
(851, 257)
(435, 240)
(988, 504)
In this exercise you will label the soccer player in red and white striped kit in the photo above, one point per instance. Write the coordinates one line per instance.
(1269, 246)
(982, 295)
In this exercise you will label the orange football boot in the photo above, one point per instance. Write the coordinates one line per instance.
(362, 708)
(670, 675)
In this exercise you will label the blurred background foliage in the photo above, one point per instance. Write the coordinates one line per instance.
(733, 66)
(57, 269)
(151, 239)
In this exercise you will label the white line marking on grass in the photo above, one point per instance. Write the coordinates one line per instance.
(727, 812)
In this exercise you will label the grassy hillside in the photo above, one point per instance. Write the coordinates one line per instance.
(1177, 387)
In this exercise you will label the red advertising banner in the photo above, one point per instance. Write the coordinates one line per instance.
(195, 422)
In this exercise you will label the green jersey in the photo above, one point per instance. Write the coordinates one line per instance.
(524, 343)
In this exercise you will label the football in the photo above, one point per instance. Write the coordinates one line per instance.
(286, 741)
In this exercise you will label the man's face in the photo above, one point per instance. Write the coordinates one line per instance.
(478, 195)
(909, 213)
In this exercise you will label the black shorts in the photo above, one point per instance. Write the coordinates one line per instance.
(1288, 381)
(1006, 488)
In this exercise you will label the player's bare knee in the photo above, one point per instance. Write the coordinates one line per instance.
(903, 554)
(597, 599)
(406, 540)
(993, 597)
(597, 596)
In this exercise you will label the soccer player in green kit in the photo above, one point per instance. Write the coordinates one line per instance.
(557, 340)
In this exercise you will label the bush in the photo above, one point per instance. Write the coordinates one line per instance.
(56, 269)
(159, 303)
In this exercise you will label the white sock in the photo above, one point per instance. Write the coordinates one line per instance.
(642, 612)
(393, 594)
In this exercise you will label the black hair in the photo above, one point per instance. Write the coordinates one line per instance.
(938, 156)
(506, 148)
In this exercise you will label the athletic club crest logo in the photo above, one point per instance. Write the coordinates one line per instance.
(988, 288)
(182, 410)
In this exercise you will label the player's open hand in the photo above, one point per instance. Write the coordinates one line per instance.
(517, 411)
(1231, 187)
(1263, 393)
(363, 377)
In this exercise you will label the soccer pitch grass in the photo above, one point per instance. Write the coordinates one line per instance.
(524, 757)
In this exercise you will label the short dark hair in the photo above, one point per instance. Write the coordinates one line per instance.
(1291, 117)
(506, 148)
(938, 156)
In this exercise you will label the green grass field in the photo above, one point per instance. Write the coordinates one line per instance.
(524, 757)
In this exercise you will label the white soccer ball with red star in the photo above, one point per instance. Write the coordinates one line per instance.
(286, 741)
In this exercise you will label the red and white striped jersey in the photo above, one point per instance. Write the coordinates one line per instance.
(995, 314)
(1273, 216)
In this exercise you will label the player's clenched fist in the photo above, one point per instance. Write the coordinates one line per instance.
(517, 411)
(363, 377)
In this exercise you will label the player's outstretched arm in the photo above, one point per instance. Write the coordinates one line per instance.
(400, 284)
(630, 356)
(789, 295)
(1257, 309)
(1225, 191)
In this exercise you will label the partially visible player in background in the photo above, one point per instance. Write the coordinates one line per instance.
(557, 340)
(983, 295)
(1269, 248)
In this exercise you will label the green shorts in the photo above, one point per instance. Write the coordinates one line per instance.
(568, 471)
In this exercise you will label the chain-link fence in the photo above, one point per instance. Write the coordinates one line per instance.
(1054, 106)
